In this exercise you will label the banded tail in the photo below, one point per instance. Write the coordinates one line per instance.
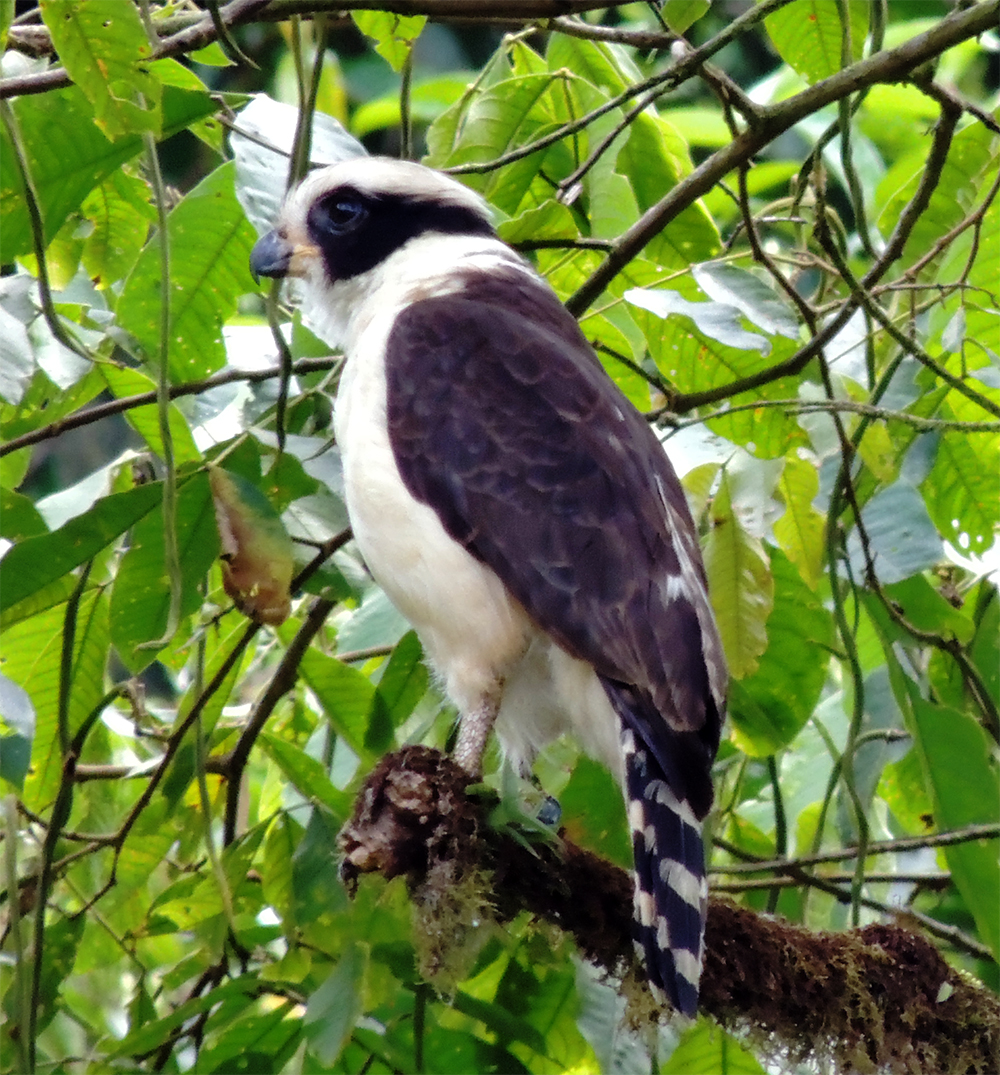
(671, 891)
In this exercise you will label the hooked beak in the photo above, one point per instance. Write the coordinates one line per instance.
(271, 256)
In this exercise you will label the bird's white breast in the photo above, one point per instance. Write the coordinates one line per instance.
(474, 633)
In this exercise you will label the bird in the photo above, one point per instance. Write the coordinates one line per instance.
(519, 512)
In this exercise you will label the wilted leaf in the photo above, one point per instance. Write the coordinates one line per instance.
(257, 555)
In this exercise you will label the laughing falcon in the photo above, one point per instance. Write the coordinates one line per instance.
(518, 511)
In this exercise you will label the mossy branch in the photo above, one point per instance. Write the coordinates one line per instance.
(879, 998)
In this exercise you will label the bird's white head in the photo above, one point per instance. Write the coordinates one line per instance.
(344, 220)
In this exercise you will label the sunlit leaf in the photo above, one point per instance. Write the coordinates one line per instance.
(210, 242)
(809, 35)
(394, 35)
(963, 783)
(68, 156)
(740, 583)
(771, 706)
(800, 531)
(104, 47)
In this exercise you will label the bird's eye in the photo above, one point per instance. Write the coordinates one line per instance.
(344, 213)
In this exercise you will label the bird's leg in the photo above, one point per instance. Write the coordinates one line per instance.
(474, 730)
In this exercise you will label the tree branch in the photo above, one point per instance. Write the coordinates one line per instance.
(890, 66)
(864, 999)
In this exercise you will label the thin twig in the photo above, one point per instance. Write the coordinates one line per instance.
(143, 399)
(281, 683)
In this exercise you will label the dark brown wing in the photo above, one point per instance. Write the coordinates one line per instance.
(503, 421)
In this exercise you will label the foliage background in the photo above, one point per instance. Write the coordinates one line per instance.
(785, 247)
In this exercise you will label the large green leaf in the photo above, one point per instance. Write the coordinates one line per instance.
(502, 118)
(146, 420)
(769, 708)
(147, 1038)
(140, 600)
(395, 34)
(962, 780)
(800, 531)
(962, 491)
(46, 558)
(345, 694)
(68, 156)
(306, 774)
(809, 34)
(32, 656)
(699, 346)
(400, 687)
(334, 1007)
(971, 157)
(104, 47)
(707, 1048)
(741, 584)
(210, 243)
(120, 212)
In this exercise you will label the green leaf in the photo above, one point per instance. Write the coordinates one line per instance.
(394, 35)
(19, 518)
(283, 835)
(188, 907)
(717, 320)
(654, 158)
(800, 530)
(741, 586)
(43, 559)
(32, 657)
(769, 708)
(964, 788)
(499, 119)
(927, 610)
(594, 812)
(120, 212)
(686, 347)
(401, 686)
(962, 491)
(345, 694)
(62, 942)
(808, 35)
(147, 845)
(140, 599)
(68, 156)
(104, 47)
(146, 420)
(210, 243)
(902, 539)
(680, 14)
(705, 1047)
(757, 302)
(972, 154)
(316, 888)
(334, 1008)
(152, 1035)
(306, 774)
